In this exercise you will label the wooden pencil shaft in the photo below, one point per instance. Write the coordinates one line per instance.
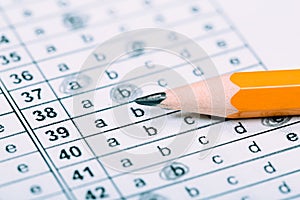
(240, 95)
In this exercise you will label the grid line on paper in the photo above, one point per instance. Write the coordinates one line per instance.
(41, 72)
(7, 113)
(170, 136)
(26, 178)
(37, 66)
(128, 16)
(297, 196)
(113, 84)
(223, 14)
(26, 124)
(19, 156)
(207, 15)
(86, 114)
(206, 149)
(127, 80)
(119, 127)
(92, 47)
(214, 147)
(254, 184)
(34, 138)
(98, 158)
(52, 14)
(148, 74)
(48, 196)
(11, 135)
(102, 166)
(234, 165)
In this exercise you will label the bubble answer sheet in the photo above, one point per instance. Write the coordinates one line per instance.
(112, 148)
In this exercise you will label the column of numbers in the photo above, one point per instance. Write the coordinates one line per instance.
(47, 117)
(24, 87)
(22, 165)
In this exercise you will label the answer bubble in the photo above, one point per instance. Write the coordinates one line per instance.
(125, 92)
(174, 171)
(74, 84)
(275, 121)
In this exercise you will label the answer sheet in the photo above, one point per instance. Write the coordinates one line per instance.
(48, 151)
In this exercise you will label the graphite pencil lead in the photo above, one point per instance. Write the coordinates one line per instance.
(152, 99)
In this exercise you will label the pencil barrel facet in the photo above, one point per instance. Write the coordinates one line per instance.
(266, 93)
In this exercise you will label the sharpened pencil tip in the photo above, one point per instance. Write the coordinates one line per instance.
(152, 99)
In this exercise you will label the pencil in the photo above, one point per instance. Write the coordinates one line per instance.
(240, 95)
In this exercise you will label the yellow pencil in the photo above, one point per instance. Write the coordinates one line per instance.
(245, 95)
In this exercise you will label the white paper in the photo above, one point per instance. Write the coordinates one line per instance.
(48, 151)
